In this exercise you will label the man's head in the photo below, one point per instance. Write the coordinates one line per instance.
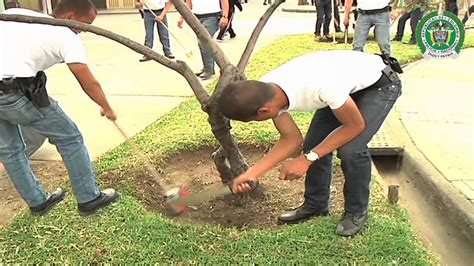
(78, 10)
(249, 100)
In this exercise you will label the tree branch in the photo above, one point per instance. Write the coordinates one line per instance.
(201, 33)
(178, 66)
(255, 34)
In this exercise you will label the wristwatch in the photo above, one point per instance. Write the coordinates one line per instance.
(311, 156)
(224, 16)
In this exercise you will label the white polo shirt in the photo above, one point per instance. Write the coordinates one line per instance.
(372, 4)
(318, 80)
(26, 49)
(201, 7)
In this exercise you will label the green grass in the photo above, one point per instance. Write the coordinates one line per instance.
(128, 233)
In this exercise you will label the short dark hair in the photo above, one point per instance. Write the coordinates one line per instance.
(241, 100)
(79, 7)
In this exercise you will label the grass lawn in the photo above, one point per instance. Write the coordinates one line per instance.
(129, 233)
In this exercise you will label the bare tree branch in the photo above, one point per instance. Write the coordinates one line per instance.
(178, 66)
(201, 32)
(255, 34)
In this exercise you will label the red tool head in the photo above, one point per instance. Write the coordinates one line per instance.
(172, 196)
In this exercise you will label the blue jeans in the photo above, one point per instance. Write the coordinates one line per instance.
(53, 123)
(211, 23)
(150, 21)
(381, 21)
(374, 105)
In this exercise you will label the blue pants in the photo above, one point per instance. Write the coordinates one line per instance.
(381, 21)
(211, 23)
(150, 21)
(374, 105)
(53, 123)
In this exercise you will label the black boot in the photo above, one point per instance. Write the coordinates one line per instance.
(352, 223)
(300, 214)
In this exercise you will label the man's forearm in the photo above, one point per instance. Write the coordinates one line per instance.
(95, 92)
(347, 8)
(336, 139)
(282, 150)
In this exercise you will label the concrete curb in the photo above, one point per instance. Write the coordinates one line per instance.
(435, 187)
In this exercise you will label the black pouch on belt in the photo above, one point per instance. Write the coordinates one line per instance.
(392, 62)
(35, 89)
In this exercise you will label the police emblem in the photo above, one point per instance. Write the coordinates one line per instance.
(440, 35)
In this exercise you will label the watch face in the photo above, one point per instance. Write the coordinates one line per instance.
(312, 156)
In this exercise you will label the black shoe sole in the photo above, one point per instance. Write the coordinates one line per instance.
(50, 207)
(303, 219)
(87, 213)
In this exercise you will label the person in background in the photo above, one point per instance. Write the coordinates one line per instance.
(212, 14)
(230, 15)
(151, 9)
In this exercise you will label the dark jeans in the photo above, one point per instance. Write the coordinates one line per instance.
(323, 16)
(374, 104)
(415, 17)
(150, 21)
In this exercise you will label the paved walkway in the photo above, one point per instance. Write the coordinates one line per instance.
(437, 110)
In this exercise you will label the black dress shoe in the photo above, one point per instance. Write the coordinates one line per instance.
(170, 56)
(106, 197)
(144, 59)
(199, 73)
(301, 214)
(53, 199)
(352, 223)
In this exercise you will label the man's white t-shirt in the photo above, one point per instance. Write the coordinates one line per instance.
(201, 7)
(26, 49)
(372, 4)
(318, 80)
(155, 4)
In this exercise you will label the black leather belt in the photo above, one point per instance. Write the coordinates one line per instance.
(375, 11)
(154, 10)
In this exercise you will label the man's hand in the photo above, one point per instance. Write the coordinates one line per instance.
(346, 21)
(160, 17)
(180, 23)
(241, 183)
(223, 22)
(109, 113)
(294, 169)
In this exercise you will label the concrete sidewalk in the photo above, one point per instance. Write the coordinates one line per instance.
(436, 110)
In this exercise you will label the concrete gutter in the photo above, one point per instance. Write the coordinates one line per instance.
(435, 187)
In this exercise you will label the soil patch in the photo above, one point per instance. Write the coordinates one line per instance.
(51, 174)
(196, 170)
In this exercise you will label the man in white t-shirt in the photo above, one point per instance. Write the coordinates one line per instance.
(371, 13)
(27, 50)
(350, 111)
(212, 14)
(151, 9)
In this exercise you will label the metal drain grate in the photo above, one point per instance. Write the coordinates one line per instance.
(384, 144)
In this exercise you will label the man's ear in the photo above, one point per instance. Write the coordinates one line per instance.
(263, 110)
(68, 15)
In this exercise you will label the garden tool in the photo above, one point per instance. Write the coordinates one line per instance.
(333, 19)
(189, 52)
(143, 158)
(346, 32)
(180, 199)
